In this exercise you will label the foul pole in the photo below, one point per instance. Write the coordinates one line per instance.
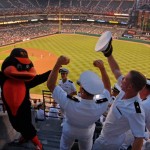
(59, 18)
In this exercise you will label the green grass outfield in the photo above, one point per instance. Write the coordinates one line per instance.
(80, 49)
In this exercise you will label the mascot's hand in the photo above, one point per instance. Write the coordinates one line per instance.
(63, 60)
(109, 49)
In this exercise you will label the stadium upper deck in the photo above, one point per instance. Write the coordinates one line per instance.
(8, 7)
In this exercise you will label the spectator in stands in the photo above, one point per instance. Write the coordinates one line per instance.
(145, 96)
(80, 115)
(54, 111)
(126, 113)
(67, 85)
(115, 91)
(40, 112)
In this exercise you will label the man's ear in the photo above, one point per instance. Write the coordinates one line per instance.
(81, 90)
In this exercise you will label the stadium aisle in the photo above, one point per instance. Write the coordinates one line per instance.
(49, 132)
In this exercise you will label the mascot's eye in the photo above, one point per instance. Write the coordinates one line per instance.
(19, 67)
(28, 67)
(24, 67)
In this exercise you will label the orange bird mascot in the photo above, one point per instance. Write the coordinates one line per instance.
(17, 76)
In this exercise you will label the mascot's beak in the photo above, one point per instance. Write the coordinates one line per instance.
(12, 72)
(24, 74)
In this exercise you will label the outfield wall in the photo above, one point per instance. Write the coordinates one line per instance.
(120, 38)
(135, 40)
(88, 34)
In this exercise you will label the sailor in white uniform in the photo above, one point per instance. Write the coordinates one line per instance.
(67, 85)
(80, 115)
(126, 112)
(145, 96)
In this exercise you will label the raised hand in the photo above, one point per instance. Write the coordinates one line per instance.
(63, 60)
(98, 63)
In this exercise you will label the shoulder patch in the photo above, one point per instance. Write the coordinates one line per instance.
(101, 100)
(73, 98)
(70, 81)
(137, 107)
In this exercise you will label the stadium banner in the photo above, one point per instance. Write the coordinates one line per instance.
(116, 14)
(91, 20)
(131, 32)
(113, 22)
(101, 21)
(127, 36)
(124, 23)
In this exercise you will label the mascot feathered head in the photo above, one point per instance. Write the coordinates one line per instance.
(18, 65)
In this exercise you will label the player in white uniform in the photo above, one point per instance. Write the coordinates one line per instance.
(80, 115)
(67, 85)
(126, 112)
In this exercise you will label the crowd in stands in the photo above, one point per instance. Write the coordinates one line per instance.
(13, 7)
(26, 31)
(27, 10)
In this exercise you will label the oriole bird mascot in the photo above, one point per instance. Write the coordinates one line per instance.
(17, 76)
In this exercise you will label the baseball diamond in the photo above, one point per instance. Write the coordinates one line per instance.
(80, 49)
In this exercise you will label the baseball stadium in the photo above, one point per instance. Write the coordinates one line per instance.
(48, 29)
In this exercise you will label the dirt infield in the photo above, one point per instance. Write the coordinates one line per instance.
(43, 60)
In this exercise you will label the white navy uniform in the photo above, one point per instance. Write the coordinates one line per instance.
(40, 114)
(80, 119)
(54, 112)
(146, 107)
(129, 136)
(67, 86)
(123, 115)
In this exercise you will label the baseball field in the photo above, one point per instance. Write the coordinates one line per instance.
(80, 49)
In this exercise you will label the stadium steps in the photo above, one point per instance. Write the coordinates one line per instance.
(49, 133)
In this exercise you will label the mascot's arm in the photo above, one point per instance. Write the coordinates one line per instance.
(2, 78)
(38, 79)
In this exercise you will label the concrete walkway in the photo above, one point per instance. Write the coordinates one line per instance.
(49, 132)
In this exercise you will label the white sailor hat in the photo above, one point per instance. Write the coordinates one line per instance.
(103, 41)
(63, 70)
(91, 83)
(148, 81)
